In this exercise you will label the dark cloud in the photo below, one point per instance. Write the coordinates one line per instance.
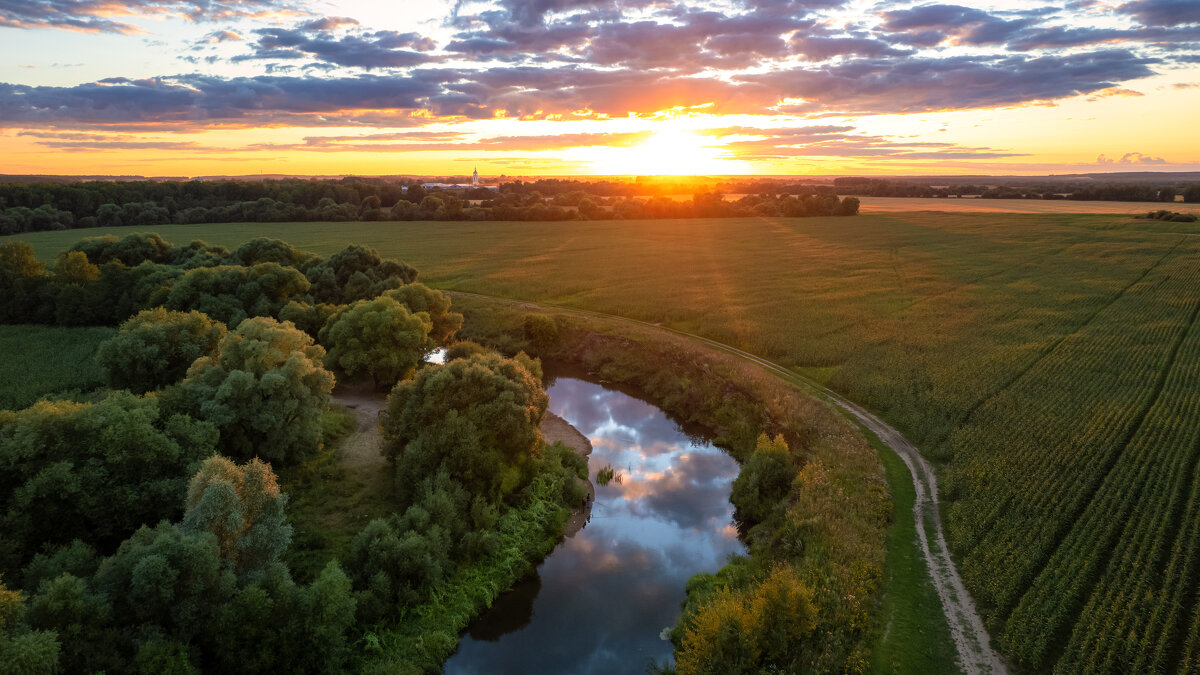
(196, 99)
(97, 15)
(1163, 12)
(966, 25)
(380, 49)
(823, 48)
(919, 84)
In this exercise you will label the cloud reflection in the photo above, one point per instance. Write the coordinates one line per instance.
(608, 592)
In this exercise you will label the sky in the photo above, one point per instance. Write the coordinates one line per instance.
(610, 87)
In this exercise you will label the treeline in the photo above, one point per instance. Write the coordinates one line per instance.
(33, 207)
(143, 527)
(1112, 192)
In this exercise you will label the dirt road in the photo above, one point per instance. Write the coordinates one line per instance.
(975, 654)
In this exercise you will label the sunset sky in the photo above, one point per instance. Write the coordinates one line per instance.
(522, 87)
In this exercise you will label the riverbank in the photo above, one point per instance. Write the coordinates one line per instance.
(830, 534)
(558, 430)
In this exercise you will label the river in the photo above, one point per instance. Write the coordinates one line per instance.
(602, 600)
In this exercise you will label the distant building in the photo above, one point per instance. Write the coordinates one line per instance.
(475, 184)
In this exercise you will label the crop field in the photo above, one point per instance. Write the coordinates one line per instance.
(1050, 362)
(40, 360)
(975, 205)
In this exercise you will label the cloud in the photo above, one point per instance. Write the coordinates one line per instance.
(919, 84)
(199, 99)
(965, 25)
(379, 49)
(96, 16)
(840, 141)
(1163, 12)
(1130, 158)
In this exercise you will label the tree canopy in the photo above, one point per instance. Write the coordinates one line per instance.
(264, 389)
(378, 338)
(91, 471)
(476, 418)
(156, 347)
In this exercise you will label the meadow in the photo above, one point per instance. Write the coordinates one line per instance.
(54, 361)
(1049, 362)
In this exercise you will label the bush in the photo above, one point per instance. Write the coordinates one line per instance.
(762, 485)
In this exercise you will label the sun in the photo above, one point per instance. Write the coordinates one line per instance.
(664, 153)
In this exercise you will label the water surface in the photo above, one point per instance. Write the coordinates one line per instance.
(600, 601)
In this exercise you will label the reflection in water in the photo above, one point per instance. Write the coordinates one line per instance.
(607, 593)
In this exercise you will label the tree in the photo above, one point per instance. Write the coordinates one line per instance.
(243, 508)
(379, 338)
(231, 293)
(91, 471)
(356, 273)
(23, 651)
(418, 297)
(542, 331)
(156, 347)
(764, 481)
(264, 389)
(476, 418)
(72, 267)
(132, 249)
(266, 250)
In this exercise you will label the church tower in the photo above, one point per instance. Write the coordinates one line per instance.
(475, 177)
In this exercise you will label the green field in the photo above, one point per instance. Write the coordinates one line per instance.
(1051, 362)
(41, 360)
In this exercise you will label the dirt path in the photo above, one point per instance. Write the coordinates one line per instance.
(360, 452)
(975, 654)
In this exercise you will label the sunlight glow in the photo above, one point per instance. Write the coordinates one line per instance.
(666, 153)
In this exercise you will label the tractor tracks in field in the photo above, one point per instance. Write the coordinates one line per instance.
(975, 654)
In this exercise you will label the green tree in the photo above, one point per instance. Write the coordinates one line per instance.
(243, 507)
(156, 347)
(267, 250)
(91, 471)
(132, 249)
(72, 267)
(418, 297)
(265, 390)
(231, 293)
(764, 481)
(379, 338)
(356, 273)
(23, 651)
(477, 418)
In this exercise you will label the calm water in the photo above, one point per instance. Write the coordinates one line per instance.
(600, 601)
